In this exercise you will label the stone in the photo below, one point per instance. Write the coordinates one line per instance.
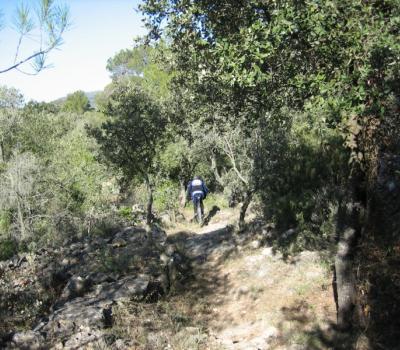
(83, 338)
(180, 218)
(255, 244)
(120, 345)
(159, 235)
(118, 242)
(289, 233)
(243, 290)
(166, 219)
(28, 340)
(268, 252)
(77, 286)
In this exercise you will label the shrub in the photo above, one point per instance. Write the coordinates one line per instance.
(7, 249)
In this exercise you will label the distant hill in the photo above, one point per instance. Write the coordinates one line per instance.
(90, 95)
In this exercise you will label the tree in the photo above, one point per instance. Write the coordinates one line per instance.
(144, 65)
(132, 135)
(19, 191)
(337, 63)
(49, 25)
(129, 62)
(11, 101)
(76, 102)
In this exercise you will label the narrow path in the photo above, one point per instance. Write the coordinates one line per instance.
(247, 297)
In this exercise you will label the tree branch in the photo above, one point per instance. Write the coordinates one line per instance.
(42, 52)
(229, 153)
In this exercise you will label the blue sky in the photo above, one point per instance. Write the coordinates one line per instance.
(100, 28)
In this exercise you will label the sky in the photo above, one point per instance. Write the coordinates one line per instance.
(99, 29)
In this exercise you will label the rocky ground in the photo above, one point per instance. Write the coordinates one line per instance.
(193, 288)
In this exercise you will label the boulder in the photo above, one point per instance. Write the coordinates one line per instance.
(83, 338)
(28, 340)
(77, 286)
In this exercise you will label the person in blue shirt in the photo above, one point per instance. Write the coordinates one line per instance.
(197, 190)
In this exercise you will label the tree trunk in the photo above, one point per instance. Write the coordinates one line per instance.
(149, 213)
(345, 281)
(348, 231)
(2, 157)
(21, 220)
(215, 170)
(182, 193)
(243, 209)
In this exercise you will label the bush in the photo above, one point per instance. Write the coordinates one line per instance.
(166, 197)
(7, 249)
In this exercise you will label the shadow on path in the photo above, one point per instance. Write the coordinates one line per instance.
(214, 210)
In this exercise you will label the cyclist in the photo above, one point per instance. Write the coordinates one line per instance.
(197, 190)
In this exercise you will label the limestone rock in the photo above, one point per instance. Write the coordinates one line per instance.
(28, 340)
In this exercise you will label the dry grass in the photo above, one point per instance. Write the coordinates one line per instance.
(163, 325)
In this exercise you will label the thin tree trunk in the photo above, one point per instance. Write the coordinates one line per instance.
(182, 193)
(215, 170)
(21, 220)
(243, 209)
(345, 281)
(2, 157)
(348, 231)
(149, 211)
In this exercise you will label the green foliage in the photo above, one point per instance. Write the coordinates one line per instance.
(129, 62)
(215, 199)
(143, 66)
(7, 249)
(76, 102)
(243, 69)
(52, 184)
(130, 137)
(125, 213)
(5, 222)
(166, 197)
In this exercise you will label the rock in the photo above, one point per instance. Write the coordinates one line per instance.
(124, 289)
(180, 218)
(76, 315)
(289, 233)
(268, 251)
(159, 235)
(118, 242)
(75, 247)
(164, 258)
(100, 277)
(166, 219)
(84, 338)
(243, 290)
(255, 244)
(120, 345)
(270, 332)
(28, 340)
(77, 286)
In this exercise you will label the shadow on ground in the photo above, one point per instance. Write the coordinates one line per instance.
(214, 210)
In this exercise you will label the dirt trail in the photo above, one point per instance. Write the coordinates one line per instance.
(247, 297)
